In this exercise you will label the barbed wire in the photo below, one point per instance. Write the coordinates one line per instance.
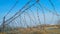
(12, 7)
(18, 11)
(42, 12)
(12, 18)
(53, 6)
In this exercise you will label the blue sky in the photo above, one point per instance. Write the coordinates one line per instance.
(5, 6)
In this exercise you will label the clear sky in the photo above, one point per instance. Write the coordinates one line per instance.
(5, 6)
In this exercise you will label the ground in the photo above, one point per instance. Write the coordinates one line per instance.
(47, 30)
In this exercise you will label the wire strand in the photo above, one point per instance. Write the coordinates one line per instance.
(12, 8)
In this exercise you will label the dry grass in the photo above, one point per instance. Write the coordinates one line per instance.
(34, 31)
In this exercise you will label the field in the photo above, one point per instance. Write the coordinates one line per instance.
(34, 30)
